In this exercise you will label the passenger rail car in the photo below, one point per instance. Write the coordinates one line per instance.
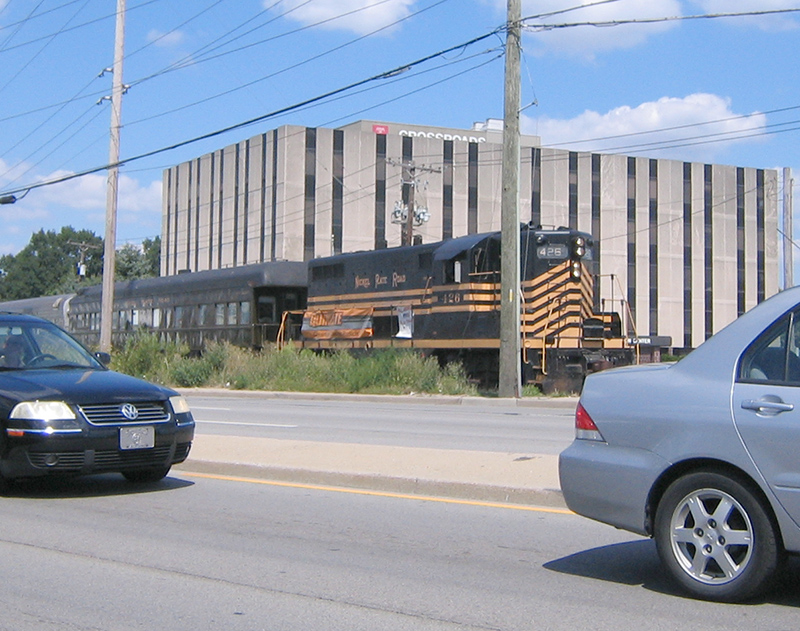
(240, 305)
(52, 308)
(444, 298)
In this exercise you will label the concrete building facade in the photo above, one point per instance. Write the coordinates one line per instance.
(682, 248)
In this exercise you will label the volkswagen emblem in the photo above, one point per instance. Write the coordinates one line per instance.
(129, 411)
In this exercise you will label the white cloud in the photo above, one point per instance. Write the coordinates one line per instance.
(713, 127)
(165, 40)
(81, 203)
(360, 16)
(89, 193)
(768, 23)
(585, 41)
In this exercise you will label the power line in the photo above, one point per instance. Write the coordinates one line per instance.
(284, 110)
(285, 69)
(677, 18)
(76, 27)
(380, 76)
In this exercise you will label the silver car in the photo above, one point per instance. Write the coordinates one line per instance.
(702, 455)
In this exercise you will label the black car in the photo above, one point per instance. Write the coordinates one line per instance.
(62, 412)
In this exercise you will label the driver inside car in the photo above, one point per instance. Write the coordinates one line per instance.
(13, 351)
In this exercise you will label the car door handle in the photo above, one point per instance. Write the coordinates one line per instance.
(762, 405)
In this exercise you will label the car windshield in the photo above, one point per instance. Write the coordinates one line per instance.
(31, 345)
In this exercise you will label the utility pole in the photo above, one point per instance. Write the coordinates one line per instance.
(788, 237)
(83, 248)
(407, 214)
(409, 177)
(510, 356)
(109, 254)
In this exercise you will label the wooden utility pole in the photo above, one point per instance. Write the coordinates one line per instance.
(409, 178)
(109, 253)
(510, 356)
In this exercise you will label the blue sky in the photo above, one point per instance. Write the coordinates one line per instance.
(196, 67)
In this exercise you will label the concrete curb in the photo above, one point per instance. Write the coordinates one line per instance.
(551, 498)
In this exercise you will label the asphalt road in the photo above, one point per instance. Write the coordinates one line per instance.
(472, 424)
(196, 552)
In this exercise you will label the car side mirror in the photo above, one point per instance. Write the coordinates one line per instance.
(103, 358)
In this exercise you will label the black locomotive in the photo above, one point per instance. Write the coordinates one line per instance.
(444, 299)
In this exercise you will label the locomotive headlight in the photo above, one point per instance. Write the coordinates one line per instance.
(579, 247)
(576, 270)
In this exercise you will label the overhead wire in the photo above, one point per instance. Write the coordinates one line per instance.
(677, 18)
(30, 17)
(47, 43)
(269, 115)
(76, 97)
(102, 18)
(293, 66)
(308, 102)
(20, 24)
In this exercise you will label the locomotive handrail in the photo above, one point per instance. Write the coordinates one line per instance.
(280, 338)
(428, 291)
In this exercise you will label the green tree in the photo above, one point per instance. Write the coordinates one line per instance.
(134, 262)
(152, 253)
(49, 263)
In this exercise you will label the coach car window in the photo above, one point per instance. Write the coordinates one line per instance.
(244, 312)
(219, 314)
(266, 310)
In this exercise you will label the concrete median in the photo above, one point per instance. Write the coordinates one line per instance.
(474, 475)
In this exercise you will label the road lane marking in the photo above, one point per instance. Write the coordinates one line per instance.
(405, 496)
(249, 424)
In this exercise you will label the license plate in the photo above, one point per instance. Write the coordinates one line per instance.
(143, 437)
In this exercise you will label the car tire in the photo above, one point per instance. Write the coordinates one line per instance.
(140, 476)
(715, 538)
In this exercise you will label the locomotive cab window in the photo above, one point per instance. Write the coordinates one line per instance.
(452, 271)
(292, 301)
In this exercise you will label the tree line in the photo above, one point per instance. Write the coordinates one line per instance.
(63, 262)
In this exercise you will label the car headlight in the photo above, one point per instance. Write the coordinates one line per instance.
(42, 411)
(179, 405)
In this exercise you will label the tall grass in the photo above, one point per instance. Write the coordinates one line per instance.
(390, 371)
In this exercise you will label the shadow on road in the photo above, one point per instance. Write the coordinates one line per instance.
(99, 485)
(637, 563)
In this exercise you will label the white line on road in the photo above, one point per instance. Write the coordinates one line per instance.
(248, 424)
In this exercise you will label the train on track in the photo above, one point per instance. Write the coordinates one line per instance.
(442, 299)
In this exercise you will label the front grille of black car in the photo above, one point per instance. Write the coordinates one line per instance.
(110, 460)
(70, 461)
(111, 413)
(134, 458)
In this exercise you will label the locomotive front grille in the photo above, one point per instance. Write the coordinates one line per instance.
(112, 413)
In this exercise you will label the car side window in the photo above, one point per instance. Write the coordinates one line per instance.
(774, 357)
